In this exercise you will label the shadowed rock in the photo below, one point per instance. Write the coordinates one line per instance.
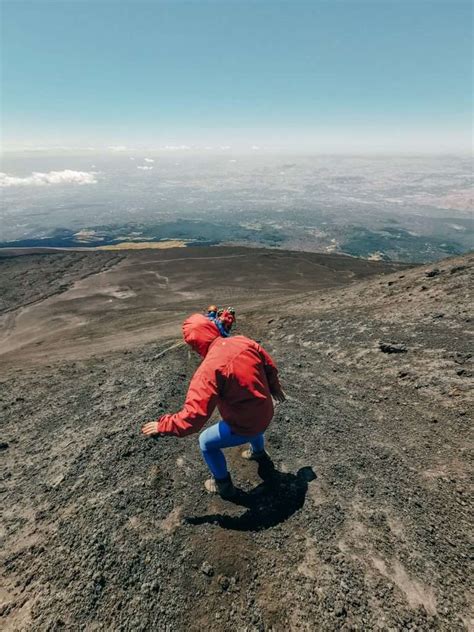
(387, 347)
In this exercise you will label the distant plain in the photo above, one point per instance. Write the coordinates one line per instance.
(411, 209)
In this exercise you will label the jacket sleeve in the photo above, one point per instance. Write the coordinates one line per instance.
(271, 370)
(199, 405)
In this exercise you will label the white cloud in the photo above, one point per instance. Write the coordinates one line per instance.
(148, 160)
(176, 147)
(144, 168)
(52, 177)
(118, 148)
(255, 147)
(49, 148)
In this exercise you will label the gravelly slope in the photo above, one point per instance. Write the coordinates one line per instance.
(363, 525)
(76, 304)
(24, 280)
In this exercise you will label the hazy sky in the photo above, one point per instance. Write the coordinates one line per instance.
(312, 76)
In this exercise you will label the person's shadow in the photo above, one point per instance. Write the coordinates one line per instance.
(277, 498)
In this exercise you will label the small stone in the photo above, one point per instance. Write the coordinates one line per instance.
(99, 580)
(388, 347)
(223, 581)
(207, 569)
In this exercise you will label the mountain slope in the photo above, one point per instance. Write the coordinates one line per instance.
(364, 525)
(76, 303)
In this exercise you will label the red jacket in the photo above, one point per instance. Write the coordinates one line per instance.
(237, 375)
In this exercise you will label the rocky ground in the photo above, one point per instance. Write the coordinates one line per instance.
(25, 280)
(363, 525)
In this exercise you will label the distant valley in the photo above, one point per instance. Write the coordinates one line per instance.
(408, 209)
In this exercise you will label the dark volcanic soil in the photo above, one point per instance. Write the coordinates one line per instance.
(25, 280)
(364, 524)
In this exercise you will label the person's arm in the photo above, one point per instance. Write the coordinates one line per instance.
(200, 402)
(271, 371)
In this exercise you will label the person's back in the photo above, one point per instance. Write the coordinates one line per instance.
(244, 372)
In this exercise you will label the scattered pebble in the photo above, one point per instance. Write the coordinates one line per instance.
(387, 347)
(207, 569)
(223, 581)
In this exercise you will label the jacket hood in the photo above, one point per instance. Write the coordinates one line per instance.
(199, 332)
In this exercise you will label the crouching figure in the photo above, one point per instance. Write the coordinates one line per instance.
(239, 377)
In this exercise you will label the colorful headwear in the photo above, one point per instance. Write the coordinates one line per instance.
(227, 318)
(222, 318)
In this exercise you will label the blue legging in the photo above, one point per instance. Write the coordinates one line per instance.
(219, 436)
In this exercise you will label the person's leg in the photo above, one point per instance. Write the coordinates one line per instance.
(256, 451)
(258, 443)
(211, 442)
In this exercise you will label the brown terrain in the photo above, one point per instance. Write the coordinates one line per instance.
(364, 523)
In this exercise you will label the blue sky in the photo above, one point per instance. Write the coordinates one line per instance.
(313, 76)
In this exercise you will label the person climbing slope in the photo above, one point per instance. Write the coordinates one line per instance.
(239, 377)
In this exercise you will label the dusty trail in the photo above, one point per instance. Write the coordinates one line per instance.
(364, 525)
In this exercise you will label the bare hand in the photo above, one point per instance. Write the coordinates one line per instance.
(279, 395)
(150, 429)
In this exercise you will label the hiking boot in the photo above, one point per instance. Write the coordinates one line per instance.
(223, 486)
(250, 455)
